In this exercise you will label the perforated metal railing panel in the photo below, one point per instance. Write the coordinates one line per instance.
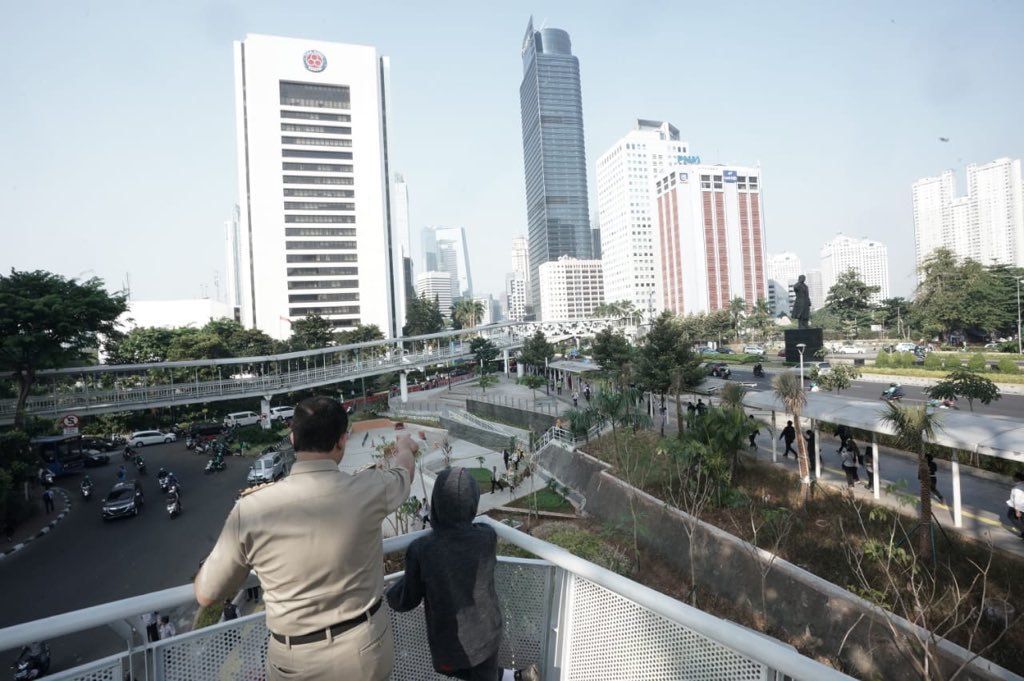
(232, 650)
(612, 638)
(108, 669)
(524, 591)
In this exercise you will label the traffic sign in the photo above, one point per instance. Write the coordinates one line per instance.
(69, 421)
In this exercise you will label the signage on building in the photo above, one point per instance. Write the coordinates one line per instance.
(729, 175)
(688, 160)
(314, 61)
(70, 423)
(684, 177)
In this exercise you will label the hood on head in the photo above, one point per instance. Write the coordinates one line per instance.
(455, 498)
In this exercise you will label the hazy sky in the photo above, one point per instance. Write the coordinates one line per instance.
(118, 143)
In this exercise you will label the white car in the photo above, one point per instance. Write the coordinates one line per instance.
(242, 418)
(822, 368)
(906, 347)
(753, 350)
(281, 413)
(850, 350)
(150, 437)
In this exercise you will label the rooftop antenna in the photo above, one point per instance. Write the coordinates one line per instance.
(128, 285)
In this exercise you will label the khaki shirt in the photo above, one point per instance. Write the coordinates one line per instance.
(314, 539)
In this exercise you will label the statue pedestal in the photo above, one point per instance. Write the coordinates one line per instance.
(813, 338)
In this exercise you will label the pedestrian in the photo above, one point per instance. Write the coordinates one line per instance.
(869, 466)
(754, 432)
(496, 483)
(48, 501)
(850, 467)
(252, 593)
(843, 434)
(150, 621)
(789, 435)
(425, 513)
(504, 457)
(933, 479)
(230, 610)
(854, 450)
(690, 409)
(452, 571)
(515, 460)
(811, 443)
(701, 407)
(586, 392)
(121, 473)
(166, 629)
(323, 596)
(1015, 504)
(575, 400)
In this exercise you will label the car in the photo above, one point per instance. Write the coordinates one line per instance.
(753, 350)
(781, 353)
(905, 347)
(281, 413)
(94, 458)
(850, 350)
(821, 368)
(150, 437)
(726, 351)
(98, 444)
(242, 418)
(267, 468)
(705, 350)
(125, 499)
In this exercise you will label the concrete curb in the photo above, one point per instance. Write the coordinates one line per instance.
(1005, 388)
(46, 530)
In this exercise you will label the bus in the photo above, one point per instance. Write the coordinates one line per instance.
(59, 454)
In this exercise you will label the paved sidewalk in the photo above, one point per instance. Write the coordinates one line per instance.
(31, 529)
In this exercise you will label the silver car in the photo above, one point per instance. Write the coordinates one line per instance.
(267, 468)
(150, 437)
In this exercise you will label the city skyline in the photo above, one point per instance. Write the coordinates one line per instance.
(900, 59)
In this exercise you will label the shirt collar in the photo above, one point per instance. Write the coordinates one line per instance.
(314, 466)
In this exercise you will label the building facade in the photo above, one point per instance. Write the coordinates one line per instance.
(233, 262)
(445, 249)
(570, 288)
(868, 258)
(173, 314)
(815, 289)
(986, 224)
(436, 286)
(314, 205)
(401, 247)
(783, 271)
(515, 297)
(625, 182)
(553, 151)
(710, 245)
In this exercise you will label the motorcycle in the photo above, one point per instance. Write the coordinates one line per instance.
(86, 490)
(33, 662)
(942, 404)
(140, 465)
(202, 447)
(758, 371)
(173, 505)
(892, 395)
(163, 480)
(48, 479)
(215, 465)
(128, 453)
(190, 442)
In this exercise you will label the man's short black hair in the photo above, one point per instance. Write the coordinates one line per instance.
(318, 424)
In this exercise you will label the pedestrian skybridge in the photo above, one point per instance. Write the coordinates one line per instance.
(108, 388)
(575, 620)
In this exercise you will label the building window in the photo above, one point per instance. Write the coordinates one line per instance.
(323, 257)
(324, 283)
(318, 167)
(321, 219)
(322, 271)
(317, 245)
(316, 141)
(321, 129)
(316, 116)
(312, 95)
(303, 311)
(309, 153)
(319, 231)
(317, 205)
(320, 298)
(315, 179)
(320, 193)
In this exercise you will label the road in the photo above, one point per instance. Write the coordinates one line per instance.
(86, 561)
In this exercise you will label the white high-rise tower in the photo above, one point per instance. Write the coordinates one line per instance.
(869, 258)
(783, 271)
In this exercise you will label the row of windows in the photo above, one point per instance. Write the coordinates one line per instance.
(324, 271)
(343, 309)
(316, 245)
(316, 141)
(316, 179)
(308, 153)
(319, 231)
(321, 219)
(316, 116)
(313, 95)
(318, 167)
(322, 129)
(323, 298)
(326, 283)
(322, 257)
(322, 193)
(318, 205)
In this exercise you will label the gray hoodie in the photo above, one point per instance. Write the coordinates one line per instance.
(452, 571)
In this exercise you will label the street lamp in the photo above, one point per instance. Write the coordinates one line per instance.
(801, 347)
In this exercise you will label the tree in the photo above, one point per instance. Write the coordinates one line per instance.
(761, 321)
(422, 317)
(49, 322)
(311, 332)
(468, 313)
(849, 300)
(486, 381)
(581, 421)
(141, 345)
(611, 349)
(892, 313)
(789, 390)
(484, 351)
(732, 395)
(967, 384)
(537, 350)
(533, 381)
(913, 426)
(840, 377)
(665, 361)
(737, 311)
(364, 333)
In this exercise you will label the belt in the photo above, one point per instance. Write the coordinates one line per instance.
(335, 629)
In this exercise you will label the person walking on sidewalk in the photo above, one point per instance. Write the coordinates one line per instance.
(789, 435)
(1015, 504)
(504, 457)
(151, 620)
(843, 434)
(48, 501)
(869, 466)
(850, 467)
(754, 432)
(496, 483)
(575, 400)
(933, 479)
(167, 629)
(811, 442)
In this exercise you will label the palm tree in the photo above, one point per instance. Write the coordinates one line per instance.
(580, 422)
(737, 310)
(913, 425)
(789, 390)
(732, 394)
(469, 312)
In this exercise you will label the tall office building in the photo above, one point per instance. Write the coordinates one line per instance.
(868, 258)
(625, 178)
(515, 297)
(445, 250)
(553, 153)
(815, 289)
(314, 206)
(710, 237)
(436, 286)
(401, 247)
(783, 271)
(570, 288)
(233, 270)
(986, 224)
(520, 256)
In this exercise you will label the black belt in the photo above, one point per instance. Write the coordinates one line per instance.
(336, 629)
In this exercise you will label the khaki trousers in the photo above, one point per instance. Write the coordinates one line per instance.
(363, 652)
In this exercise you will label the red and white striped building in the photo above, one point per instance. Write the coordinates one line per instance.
(710, 237)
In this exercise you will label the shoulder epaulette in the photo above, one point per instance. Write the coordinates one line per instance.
(255, 488)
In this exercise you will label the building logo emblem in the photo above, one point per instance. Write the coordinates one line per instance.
(315, 61)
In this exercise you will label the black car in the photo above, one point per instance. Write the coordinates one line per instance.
(98, 444)
(125, 499)
(94, 458)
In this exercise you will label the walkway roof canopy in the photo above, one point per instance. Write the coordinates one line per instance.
(574, 366)
(989, 435)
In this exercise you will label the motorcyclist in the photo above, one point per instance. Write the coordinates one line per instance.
(122, 472)
(758, 370)
(162, 473)
(140, 462)
(128, 452)
(86, 484)
(174, 496)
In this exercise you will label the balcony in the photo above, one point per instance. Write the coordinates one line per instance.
(575, 620)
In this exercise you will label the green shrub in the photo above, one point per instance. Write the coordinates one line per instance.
(933, 361)
(883, 360)
(977, 362)
(1008, 366)
(903, 360)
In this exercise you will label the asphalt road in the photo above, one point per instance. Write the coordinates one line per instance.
(1007, 405)
(86, 561)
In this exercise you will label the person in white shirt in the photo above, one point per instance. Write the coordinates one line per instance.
(166, 628)
(1015, 504)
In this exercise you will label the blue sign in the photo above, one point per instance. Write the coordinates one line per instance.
(687, 160)
(729, 175)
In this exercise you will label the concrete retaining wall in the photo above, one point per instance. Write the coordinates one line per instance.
(521, 418)
(478, 436)
(798, 603)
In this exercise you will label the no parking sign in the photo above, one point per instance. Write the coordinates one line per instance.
(70, 423)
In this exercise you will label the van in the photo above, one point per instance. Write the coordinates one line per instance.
(267, 468)
(242, 418)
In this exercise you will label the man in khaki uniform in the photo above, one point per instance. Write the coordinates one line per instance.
(314, 540)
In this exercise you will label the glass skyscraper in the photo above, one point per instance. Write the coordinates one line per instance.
(553, 153)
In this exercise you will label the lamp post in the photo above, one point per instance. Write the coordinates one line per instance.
(801, 347)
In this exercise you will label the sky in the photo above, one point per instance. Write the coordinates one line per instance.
(117, 140)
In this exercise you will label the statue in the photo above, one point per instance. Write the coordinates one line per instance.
(801, 303)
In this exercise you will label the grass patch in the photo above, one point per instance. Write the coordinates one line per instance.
(596, 547)
(482, 477)
(547, 500)
(254, 436)
(209, 615)
(995, 376)
(733, 358)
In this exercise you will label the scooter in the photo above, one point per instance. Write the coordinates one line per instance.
(892, 395)
(943, 404)
(86, 491)
(162, 479)
(190, 442)
(215, 465)
(758, 371)
(173, 506)
(140, 464)
(33, 662)
(128, 453)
